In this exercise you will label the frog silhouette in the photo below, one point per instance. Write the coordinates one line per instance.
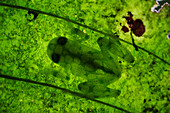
(99, 68)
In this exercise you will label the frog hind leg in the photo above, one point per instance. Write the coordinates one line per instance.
(97, 90)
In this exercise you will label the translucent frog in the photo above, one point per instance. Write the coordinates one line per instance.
(99, 67)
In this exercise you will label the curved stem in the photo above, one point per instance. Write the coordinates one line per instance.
(133, 41)
(63, 89)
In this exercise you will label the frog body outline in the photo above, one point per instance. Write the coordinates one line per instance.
(100, 68)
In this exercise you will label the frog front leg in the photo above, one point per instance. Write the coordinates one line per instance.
(114, 49)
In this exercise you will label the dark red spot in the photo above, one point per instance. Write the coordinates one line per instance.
(136, 26)
(125, 29)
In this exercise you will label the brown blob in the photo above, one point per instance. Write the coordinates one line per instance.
(125, 29)
(136, 26)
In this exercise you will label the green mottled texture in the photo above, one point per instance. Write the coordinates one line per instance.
(144, 85)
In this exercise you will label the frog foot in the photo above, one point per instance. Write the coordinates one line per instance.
(97, 90)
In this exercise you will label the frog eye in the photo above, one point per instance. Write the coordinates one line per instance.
(55, 57)
(62, 40)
